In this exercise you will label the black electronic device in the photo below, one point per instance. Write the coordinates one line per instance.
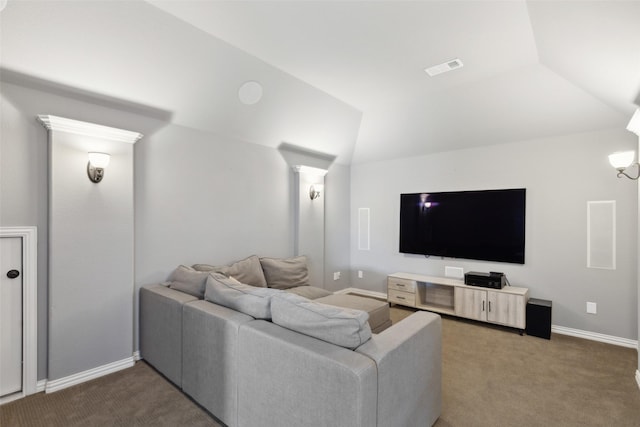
(485, 280)
(485, 225)
(539, 318)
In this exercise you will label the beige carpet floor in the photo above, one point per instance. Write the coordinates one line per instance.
(491, 377)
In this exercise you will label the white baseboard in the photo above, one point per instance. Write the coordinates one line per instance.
(90, 374)
(41, 386)
(136, 356)
(11, 397)
(594, 336)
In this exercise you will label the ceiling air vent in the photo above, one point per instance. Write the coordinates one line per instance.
(444, 67)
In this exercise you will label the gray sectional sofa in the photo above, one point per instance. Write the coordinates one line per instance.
(261, 356)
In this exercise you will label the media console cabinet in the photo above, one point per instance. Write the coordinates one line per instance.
(506, 306)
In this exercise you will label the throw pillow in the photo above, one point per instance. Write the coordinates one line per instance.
(229, 292)
(340, 326)
(248, 271)
(284, 273)
(188, 280)
(207, 267)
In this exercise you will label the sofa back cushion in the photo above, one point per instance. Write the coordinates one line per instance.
(247, 271)
(188, 280)
(285, 273)
(341, 326)
(229, 292)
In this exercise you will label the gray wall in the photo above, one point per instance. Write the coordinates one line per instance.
(90, 255)
(199, 196)
(24, 167)
(337, 255)
(560, 174)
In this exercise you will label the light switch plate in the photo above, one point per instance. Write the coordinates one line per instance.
(592, 308)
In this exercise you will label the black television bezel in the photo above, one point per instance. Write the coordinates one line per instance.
(516, 258)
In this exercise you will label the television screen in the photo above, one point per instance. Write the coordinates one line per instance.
(483, 225)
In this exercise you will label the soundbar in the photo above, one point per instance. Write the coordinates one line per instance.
(493, 280)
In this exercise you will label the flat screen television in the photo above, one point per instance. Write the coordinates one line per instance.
(486, 225)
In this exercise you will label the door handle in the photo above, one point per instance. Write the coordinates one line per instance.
(12, 274)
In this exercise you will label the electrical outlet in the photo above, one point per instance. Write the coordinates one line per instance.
(336, 275)
(592, 307)
(360, 274)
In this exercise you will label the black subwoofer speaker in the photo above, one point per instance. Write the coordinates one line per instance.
(539, 318)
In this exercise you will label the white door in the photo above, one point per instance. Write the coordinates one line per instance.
(10, 315)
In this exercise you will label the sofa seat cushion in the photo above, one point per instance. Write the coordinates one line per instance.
(310, 292)
(341, 326)
(285, 273)
(188, 280)
(379, 315)
(229, 292)
(247, 271)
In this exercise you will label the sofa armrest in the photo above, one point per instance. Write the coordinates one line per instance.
(287, 378)
(161, 329)
(408, 356)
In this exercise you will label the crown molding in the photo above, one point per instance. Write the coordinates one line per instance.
(56, 123)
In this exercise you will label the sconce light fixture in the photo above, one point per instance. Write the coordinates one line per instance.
(623, 160)
(96, 165)
(315, 190)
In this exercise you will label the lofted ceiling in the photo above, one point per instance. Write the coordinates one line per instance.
(532, 69)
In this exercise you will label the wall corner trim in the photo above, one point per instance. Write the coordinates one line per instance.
(88, 129)
(87, 375)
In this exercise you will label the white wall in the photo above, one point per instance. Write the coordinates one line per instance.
(560, 174)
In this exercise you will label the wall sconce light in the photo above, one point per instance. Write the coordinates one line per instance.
(623, 160)
(96, 165)
(315, 190)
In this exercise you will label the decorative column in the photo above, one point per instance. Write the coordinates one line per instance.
(91, 238)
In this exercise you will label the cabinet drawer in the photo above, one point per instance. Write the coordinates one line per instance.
(398, 284)
(399, 297)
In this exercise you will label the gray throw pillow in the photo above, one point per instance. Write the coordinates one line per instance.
(340, 326)
(284, 273)
(247, 271)
(188, 280)
(228, 292)
(207, 267)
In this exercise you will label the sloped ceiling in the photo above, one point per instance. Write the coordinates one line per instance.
(531, 68)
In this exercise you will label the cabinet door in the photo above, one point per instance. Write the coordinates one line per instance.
(471, 303)
(506, 309)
